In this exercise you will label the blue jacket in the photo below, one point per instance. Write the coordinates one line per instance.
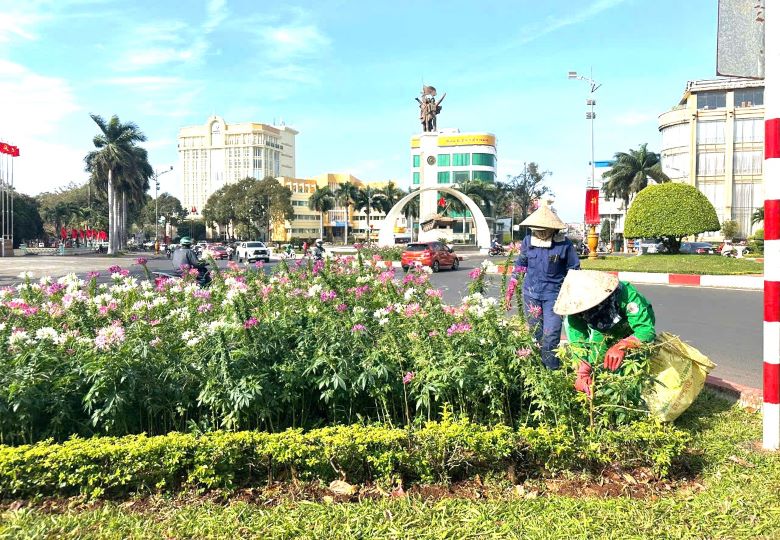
(546, 267)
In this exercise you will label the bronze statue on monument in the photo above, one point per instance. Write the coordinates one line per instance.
(429, 108)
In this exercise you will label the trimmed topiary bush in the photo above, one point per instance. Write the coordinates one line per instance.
(670, 211)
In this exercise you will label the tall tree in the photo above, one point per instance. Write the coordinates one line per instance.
(322, 200)
(483, 193)
(522, 191)
(345, 196)
(28, 224)
(113, 167)
(368, 198)
(630, 173)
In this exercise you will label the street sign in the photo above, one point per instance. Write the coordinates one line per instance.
(741, 38)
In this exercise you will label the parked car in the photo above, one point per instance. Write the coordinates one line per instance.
(652, 245)
(433, 254)
(217, 252)
(697, 248)
(253, 251)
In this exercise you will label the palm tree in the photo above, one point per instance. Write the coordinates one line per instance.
(392, 194)
(485, 194)
(367, 198)
(345, 196)
(757, 216)
(630, 173)
(321, 201)
(114, 156)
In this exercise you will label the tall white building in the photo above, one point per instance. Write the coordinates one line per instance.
(217, 153)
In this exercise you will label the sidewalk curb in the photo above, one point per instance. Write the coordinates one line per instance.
(744, 282)
(745, 395)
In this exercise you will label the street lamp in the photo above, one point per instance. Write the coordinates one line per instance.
(590, 115)
(157, 176)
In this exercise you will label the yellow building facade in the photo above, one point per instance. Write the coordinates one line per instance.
(305, 224)
(714, 139)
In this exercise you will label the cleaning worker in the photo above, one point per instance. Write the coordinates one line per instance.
(547, 256)
(605, 318)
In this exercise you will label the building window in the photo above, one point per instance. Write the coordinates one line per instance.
(444, 177)
(711, 100)
(675, 136)
(710, 163)
(676, 165)
(710, 132)
(416, 160)
(461, 160)
(749, 162)
(459, 177)
(714, 193)
(486, 160)
(443, 161)
(415, 178)
(749, 97)
(749, 130)
(747, 197)
(484, 176)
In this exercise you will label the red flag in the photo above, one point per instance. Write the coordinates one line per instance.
(64, 233)
(442, 202)
(74, 234)
(592, 207)
(89, 233)
(5, 148)
(16, 151)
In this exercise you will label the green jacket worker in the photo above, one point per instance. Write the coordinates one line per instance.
(605, 317)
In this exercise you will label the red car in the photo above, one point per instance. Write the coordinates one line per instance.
(433, 254)
(218, 252)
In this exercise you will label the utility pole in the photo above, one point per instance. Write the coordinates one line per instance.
(156, 208)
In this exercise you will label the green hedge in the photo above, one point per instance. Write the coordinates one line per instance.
(436, 452)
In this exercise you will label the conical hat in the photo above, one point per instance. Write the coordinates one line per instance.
(544, 217)
(583, 289)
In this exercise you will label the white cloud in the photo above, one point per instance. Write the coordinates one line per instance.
(295, 41)
(14, 25)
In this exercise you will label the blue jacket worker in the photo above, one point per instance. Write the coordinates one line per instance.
(547, 255)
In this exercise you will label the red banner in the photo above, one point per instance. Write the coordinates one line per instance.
(64, 233)
(9, 149)
(592, 207)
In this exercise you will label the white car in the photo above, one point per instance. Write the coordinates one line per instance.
(253, 251)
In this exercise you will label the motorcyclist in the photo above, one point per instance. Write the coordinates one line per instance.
(289, 251)
(185, 257)
(319, 250)
(495, 246)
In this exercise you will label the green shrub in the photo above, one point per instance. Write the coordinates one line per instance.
(757, 241)
(437, 452)
(670, 211)
(729, 228)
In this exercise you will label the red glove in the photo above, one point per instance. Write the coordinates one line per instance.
(584, 380)
(614, 357)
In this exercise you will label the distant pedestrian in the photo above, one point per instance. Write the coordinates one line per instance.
(305, 248)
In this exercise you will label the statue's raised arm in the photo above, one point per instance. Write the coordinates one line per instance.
(429, 108)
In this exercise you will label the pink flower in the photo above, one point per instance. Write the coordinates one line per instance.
(259, 264)
(110, 336)
(114, 269)
(326, 296)
(154, 322)
(358, 328)
(93, 275)
(408, 377)
(384, 277)
(251, 322)
(524, 352)
(433, 293)
(341, 307)
(535, 311)
(458, 328)
(141, 261)
(474, 274)
(521, 269)
(510, 292)
(203, 308)
(155, 342)
(201, 293)
(433, 333)
(412, 309)
(233, 265)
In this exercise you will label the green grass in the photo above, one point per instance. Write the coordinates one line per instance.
(739, 498)
(678, 264)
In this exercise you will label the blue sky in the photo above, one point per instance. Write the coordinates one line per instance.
(345, 74)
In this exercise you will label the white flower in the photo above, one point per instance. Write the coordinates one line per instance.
(364, 279)
(47, 333)
(314, 290)
(187, 335)
(159, 301)
(358, 310)
(147, 286)
(312, 309)
(25, 275)
(18, 337)
(383, 321)
(427, 270)
(193, 341)
(2, 326)
(379, 313)
(408, 294)
(45, 280)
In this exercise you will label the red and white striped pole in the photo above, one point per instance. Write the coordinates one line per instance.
(772, 227)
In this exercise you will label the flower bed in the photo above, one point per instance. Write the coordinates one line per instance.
(331, 343)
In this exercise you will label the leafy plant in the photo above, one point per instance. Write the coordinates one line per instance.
(670, 211)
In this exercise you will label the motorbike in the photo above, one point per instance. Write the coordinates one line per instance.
(496, 250)
(204, 276)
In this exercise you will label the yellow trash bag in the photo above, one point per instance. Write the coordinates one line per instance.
(679, 371)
